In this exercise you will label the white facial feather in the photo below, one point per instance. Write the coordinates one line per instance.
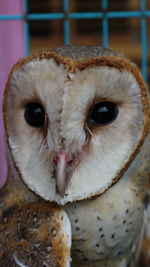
(111, 146)
(66, 103)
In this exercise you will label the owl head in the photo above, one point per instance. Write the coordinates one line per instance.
(75, 119)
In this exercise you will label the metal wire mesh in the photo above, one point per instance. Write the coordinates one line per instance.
(104, 15)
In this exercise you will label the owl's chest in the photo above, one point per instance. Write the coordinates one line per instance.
(105, 227)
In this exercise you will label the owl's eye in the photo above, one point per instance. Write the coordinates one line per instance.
(103, 113)
(34, 114)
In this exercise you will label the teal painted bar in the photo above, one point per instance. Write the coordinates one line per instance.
(85, 15)
(105, 23)
(26, 29)
(46, 16)
(79, 15)
(66, 22)
(144, 41)
(127, 14)
(11, 17)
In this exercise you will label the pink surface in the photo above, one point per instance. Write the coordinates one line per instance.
(11, 48)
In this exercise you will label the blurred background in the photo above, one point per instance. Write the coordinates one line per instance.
(124, 33)
(28, 26)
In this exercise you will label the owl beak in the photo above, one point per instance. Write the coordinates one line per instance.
(63, 165)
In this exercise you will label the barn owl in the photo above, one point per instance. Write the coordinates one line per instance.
(77, 125)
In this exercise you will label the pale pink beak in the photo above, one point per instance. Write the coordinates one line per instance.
(64, 164)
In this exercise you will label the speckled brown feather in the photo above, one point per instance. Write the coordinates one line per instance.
(31, 235)
(144, 260)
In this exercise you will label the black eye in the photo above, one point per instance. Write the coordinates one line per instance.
(34, 114)
(103, 113)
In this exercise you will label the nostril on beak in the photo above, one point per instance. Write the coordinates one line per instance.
(55, 159)
(62, 155)
(70, 163)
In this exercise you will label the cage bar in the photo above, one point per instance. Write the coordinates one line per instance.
(66, 22)
(105, 23)
(26, 28)
(143, 39)
(79, 15)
